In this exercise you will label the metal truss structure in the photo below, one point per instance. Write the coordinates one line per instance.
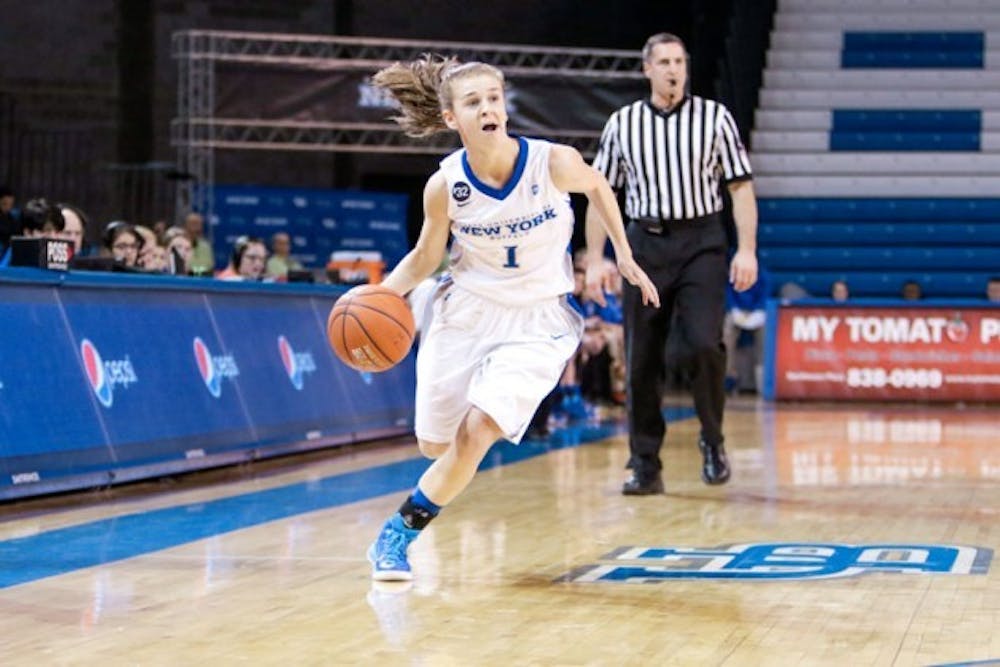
(197, 133)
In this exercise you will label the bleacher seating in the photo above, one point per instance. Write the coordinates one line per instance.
(877, 146)
(874, 259)
(809, 234)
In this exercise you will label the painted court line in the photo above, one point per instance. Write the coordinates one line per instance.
(63, 550)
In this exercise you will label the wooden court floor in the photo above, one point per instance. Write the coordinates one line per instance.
(848, 536)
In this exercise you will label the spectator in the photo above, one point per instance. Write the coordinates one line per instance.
(160, 229)
(179, 248)
(248, 260)
(839, 291)
(281, 261)
(743, 332)
(10, 225)
(157, 260)
(75, 228)
(911, 291)
(792, 291)
(613, 320)
(39, 218)
(565, 401)
(601, 361)
(993, 289)
(203, 255)
(152, 255)
(122, 243)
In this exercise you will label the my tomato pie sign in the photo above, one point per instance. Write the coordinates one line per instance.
(888, 353)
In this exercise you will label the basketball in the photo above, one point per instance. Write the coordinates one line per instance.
(370, 328)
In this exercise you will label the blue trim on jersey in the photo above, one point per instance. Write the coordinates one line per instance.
(522, 159)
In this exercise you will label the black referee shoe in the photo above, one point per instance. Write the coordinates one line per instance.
(643, 485)
(715, 464)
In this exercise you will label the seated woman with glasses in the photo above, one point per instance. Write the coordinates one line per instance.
(122, 242)
(248, 261)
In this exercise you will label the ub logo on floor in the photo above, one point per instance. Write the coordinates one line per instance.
(780, 561)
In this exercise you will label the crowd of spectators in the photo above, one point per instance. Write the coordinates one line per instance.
(594, 378)
(157, 248)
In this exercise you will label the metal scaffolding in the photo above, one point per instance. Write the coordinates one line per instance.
(197, 132)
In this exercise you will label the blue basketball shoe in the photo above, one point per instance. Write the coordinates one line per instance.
(387, 554)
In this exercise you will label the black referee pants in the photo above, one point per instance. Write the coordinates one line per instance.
(687, 263)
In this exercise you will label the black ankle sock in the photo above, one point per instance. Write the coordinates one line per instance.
(416, 514)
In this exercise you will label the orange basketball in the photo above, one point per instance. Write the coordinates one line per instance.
(371, 328)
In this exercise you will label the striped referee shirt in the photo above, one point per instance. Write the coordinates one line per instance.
(671, 164)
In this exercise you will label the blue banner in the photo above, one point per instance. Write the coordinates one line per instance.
(147, 358)
(47, 409)
(319, 222)
(119, 375)
(291, 378)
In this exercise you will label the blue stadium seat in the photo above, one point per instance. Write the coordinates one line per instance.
(880, 209)
(907, 120)
(888, 284)
(879, 258)
(904, 141)
(936, 40)
(807, 234)
(884, 59)
(954, 50)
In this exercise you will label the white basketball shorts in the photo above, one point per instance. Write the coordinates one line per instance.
(502, 359)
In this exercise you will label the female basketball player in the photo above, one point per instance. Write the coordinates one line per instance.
(501, 331)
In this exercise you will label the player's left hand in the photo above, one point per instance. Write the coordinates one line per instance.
(596, 282)
(743, 270)
(635, 275)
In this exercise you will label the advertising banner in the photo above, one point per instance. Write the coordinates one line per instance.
(887, 353)
(47, 411)
(319, 222)
(291, 381)
(163, 382)
(536, 103)
(105, 378)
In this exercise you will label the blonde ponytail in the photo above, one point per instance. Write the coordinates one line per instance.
(415, 86)
(422, 89)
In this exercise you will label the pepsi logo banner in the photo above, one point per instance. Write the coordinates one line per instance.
(297, 364)
(214, 369)
(102, 383)
(48, 407)
(289, 376)
(887, 353)
(103, 376)
(139, 353)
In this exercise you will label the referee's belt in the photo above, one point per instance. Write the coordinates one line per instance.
(660, 227)
(651, 225)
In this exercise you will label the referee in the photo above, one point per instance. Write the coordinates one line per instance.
(670, 153)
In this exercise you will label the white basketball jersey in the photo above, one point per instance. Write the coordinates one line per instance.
(511, 245)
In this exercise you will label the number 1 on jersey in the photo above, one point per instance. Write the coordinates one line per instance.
(511, 257)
